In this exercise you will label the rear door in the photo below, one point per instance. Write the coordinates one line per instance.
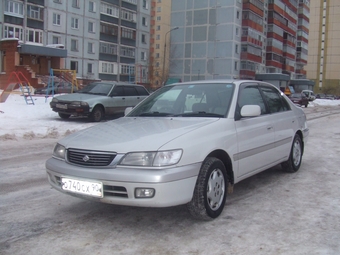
(255, 135)
(283, 121)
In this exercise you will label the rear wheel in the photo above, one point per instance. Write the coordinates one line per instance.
(210, 191)
(64, 116)
(294, 161)
(97, 114)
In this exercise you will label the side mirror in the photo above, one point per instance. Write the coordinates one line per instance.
(127, 110)
(250, 111)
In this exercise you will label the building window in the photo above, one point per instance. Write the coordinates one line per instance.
(145, 4)
(91, 27)
(14, 8)
(74, 65)
(56, 19)
(157, 46)
(236, 66)
(144, 22)
(90, 47)
(159, 9)
(128, 33)
(57, 1)
(128, 15)
(157, 55)
(131, 1)
(92, 6)
(158, 37)
(157, 64)
(108, 29)
(143, 38)
(75, 3)
(56, 40)
(127, 69)
(108, 48)
(34, 36)
(238, 14)
(74, 45)
(13, 32)
(127, 52)
(236, 48)
(143, 55)
(158, 28)
(34, 12)
(74, 23)
(90, 68)
(109, 10)
(159, 18)
(107, 67)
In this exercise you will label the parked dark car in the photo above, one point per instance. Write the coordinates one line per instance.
(299, 99)
(57, 88)
(99, 99)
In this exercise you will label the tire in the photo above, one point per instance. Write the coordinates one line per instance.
(64, 116)
(293, 163)
(210, 191)
(97, 114)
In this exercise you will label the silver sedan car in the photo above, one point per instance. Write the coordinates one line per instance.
(187, 143)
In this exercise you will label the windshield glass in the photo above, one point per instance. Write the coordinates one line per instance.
(97, 89)
(189, 100)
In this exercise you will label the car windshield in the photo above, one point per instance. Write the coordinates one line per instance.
(297, 95)
(187, 100)
(97, 89)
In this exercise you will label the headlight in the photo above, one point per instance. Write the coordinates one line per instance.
(160, 158)
(55, 100)
(59, 151)
(79, 103)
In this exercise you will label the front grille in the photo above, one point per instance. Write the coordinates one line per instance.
(90, 158)
(115, 191)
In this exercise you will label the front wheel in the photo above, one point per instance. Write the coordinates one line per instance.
(97, 114)
(295, 157)
(210, 191)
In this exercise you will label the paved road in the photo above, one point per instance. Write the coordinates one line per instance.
(270, 213)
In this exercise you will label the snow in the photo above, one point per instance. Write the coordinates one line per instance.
(21, 120)
(28, 121)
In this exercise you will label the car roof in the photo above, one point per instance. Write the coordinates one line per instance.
(234, 81)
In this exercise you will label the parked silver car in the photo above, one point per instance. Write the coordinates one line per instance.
(99, 99)
(56, 88)
(187, 143)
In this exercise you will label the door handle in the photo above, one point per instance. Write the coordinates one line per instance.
(269, 128)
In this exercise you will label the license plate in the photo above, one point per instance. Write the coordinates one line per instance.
(61, 106)
(94, 189)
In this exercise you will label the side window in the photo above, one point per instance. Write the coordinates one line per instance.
(274, 100)
(141, 91)
(130, 91)
(118, 91)
(249, 96)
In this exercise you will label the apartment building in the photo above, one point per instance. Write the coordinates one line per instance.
(160, 43)
(100, 40)
(324, 48)
(206, 44)
(238, 39)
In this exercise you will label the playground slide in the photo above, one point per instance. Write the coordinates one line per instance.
(5, 93)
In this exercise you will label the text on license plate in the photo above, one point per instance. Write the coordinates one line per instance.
(94, 189)
(61, 106)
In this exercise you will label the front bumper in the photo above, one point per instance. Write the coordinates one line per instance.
(173, 186)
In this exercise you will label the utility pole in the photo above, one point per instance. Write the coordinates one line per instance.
(163, 74)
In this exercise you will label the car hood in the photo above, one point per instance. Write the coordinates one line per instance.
(78, 97)
(134, 134)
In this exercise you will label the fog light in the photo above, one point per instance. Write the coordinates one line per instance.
(144, 192)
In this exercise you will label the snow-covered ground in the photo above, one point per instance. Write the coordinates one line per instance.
(20, 120)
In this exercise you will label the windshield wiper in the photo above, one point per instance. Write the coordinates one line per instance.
(198, 114)
(162, 114)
